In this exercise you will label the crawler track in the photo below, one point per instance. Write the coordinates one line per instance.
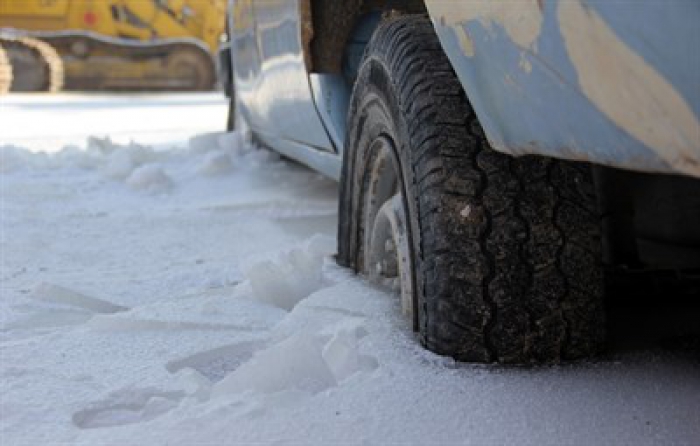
(35, 65)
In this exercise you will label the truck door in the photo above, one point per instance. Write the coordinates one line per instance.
(283, 101)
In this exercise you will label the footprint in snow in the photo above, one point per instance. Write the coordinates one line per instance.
(216, 363)
(127, 406)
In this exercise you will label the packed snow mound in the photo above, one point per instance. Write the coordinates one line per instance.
(296, 363)
(343, 357)
(13, 158)
(217, 152)
(150, 178)
(234, 143)
(194, 384)
(292, 275)
(215, 163)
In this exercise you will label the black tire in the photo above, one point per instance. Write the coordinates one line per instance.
(505, 252)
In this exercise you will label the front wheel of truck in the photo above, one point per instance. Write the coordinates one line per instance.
(496, 259)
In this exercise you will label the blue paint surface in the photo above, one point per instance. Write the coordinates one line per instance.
(544, 111)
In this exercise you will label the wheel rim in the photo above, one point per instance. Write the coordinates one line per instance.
(386, 248)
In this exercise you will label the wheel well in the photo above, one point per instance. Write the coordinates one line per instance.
(649, 220)
(333, 23)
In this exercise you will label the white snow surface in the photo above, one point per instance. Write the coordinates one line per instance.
(182, 291)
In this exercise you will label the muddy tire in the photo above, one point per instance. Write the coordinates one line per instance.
(36, 66)
(5, 72)
(498, 258)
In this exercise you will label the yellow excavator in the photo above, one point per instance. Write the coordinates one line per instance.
(110, 44)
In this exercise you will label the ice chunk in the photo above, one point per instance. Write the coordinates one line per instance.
(287, 280)
(343, 357)
(295, 363)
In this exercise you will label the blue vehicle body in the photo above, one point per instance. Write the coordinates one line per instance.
(610, 82)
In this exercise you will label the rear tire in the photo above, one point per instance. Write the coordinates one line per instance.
(503, 254)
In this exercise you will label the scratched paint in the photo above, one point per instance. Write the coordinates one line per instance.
(521, 20)
(628, 90)
(465, 42)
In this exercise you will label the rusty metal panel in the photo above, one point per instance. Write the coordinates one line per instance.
(616, 83)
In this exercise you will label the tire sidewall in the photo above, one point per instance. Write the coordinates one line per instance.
(375, 113)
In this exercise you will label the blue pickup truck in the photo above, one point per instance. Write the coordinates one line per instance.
(497, 159)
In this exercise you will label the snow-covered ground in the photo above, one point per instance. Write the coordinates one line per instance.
(180, 290)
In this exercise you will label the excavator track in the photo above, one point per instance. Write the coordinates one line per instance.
(5, 71)
(94, 62)
(36, 66)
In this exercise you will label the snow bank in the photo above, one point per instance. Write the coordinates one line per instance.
(215, 163)
(141, 167)
(150, 178)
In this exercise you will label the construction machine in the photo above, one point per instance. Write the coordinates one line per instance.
(119, 44)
